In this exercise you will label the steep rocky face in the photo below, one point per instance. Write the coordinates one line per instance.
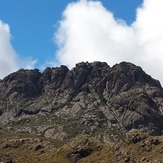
(91, 98)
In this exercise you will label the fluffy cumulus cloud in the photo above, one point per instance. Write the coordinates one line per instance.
(89, 32)
(9, 60)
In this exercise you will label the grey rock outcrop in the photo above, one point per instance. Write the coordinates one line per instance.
(91, 97)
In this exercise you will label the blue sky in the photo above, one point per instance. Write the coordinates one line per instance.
(39, 33)
(33, 22)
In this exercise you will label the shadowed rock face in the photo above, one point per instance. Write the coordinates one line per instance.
(94, 95)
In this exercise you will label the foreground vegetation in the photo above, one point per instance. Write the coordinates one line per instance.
(24, 148)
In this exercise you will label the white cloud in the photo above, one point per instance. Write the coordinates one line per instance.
(8, 57)
(89, 32)
(9, 60)
(149, 34)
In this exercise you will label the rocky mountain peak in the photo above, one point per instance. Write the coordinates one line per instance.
(92, 97)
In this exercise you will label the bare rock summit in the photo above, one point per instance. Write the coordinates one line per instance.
(91, 98)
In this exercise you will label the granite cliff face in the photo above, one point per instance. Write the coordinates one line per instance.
(92, 98)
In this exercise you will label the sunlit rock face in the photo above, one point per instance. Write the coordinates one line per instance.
(90, 98)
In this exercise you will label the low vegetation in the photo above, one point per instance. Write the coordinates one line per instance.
(136, 147)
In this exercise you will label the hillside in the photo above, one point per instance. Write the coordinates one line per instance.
(59, 104)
